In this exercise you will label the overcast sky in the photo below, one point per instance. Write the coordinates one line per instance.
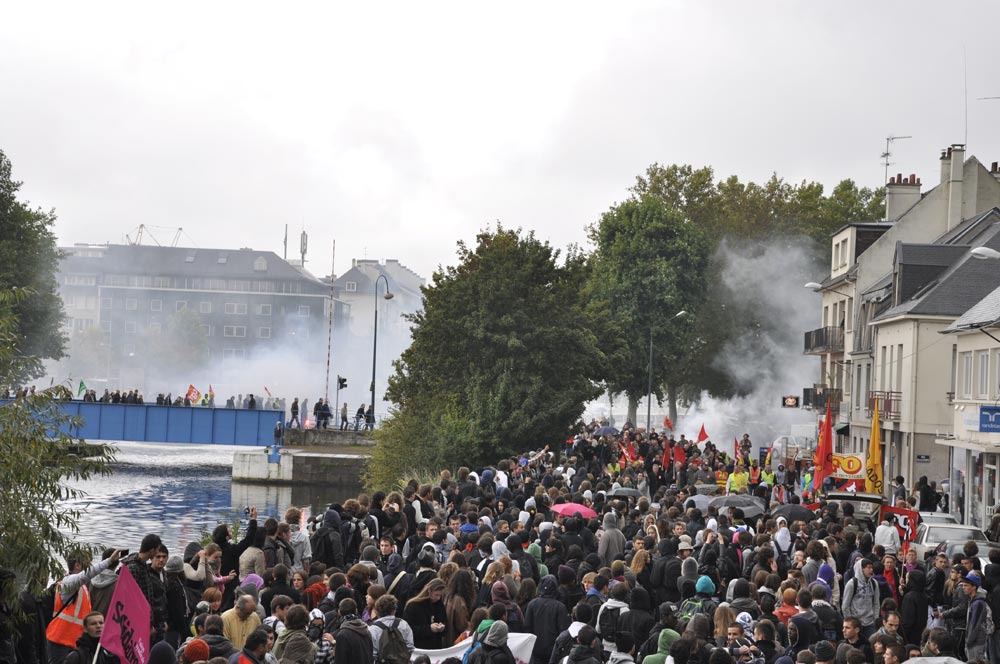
(399, 128)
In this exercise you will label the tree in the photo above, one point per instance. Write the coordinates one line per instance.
(29, 259)
(503, 356)
(649, 264)
(37, 457)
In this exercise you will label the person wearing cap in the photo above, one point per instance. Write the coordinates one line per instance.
(825, 652)
(195, 651)
(176, 601)
(976, 637)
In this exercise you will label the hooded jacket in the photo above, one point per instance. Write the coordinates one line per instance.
(861, 597)
(299, 541)
(639, 619)
(612, 544)
(667, 638)
(609, 644)
(354, 643)
(688, 578)
(102, 587)
(913, 610)
(546, 617)
(495, 648)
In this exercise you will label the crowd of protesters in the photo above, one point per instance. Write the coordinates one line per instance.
(633, 571)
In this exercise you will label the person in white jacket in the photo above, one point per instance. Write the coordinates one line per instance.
(887, 535)
(299, 540)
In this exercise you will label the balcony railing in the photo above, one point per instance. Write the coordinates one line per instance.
(824, 340)
(889, 404)
(816, 398)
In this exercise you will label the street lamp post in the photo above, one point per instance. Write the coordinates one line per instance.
(649, 371)
(388, 295)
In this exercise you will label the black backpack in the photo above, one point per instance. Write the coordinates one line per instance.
(391, 645)
(607, 622)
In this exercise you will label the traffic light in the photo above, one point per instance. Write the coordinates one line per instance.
(341, 382)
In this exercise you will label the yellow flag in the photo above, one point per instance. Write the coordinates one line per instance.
(873, 467)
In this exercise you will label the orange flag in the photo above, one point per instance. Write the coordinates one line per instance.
(824, 451)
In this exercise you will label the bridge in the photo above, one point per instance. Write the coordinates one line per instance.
(173, 424)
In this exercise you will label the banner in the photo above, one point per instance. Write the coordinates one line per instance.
(193, 395)
(873, 469)
(126, 628)
(520, 645)
(906, 522)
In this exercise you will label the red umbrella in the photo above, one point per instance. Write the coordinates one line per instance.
(569, 509)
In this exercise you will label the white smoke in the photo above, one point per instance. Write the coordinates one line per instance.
(765, 287)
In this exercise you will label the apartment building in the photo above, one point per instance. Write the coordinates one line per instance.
(246, 302)
(884, 303)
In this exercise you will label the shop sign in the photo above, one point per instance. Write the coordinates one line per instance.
(989, 419)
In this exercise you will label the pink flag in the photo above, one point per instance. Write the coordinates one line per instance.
(126, 628)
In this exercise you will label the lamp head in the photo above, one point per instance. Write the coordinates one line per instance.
(813, 285)
(984, 253)
(388, 295)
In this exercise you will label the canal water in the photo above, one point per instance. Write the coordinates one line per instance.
(180, 492)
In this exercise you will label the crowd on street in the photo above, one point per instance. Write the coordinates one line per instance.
(616, 548)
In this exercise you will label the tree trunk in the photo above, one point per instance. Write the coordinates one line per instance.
(633, 406)
(672, 403)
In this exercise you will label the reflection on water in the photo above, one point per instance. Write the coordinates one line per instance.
(179, 492)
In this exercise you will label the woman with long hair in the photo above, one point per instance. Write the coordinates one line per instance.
(527, 592)
(723, 618)
(493, 574)
(459, 603)
(427, 616)
(299, 579)
(642, 568)
(698, 632)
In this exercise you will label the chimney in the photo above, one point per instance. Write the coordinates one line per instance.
(956, 172)
(945, 165)
(995, 170)
(900, 195)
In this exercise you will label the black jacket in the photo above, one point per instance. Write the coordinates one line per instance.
(546, 617)
(219, 646)
(354, 643)
(86, 647)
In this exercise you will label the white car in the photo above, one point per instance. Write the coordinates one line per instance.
(937, 517)
(929, 535)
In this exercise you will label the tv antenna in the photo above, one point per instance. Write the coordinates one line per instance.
(889, 140)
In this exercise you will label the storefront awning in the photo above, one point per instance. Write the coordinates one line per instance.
(974, 445)
(842, 427)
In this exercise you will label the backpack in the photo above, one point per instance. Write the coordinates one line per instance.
(47, 604)
(476, 644)
(607, 622)
(783, 558)
(563, 646)
(986, 624)
(391, 645)
(689, 608)
(326, 546)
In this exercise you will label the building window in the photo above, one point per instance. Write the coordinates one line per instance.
(205, 307)
(156, 305)
(234, 354)
(131, 304)
(105, 303)
(263, 309)
(155, 328)
(967, 375)
(237, 308)
(983, 374)
(303, 311)
(206, 329)
(351, 286)
(260, 265)
(263, 333)
(223, 257)
(78, 280)
(234, 331)
(180, 306)
(130, 327)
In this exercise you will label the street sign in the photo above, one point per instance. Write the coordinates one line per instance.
(790, 402)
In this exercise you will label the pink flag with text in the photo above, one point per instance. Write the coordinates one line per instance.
(126, 627)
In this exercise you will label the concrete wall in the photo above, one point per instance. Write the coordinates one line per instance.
(331, 437)
(298, 468)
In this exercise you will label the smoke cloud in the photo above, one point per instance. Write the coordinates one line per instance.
(765, 290)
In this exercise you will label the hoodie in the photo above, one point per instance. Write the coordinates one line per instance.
(688, 578)
(861, 597)
(609, 644)
(299, 541)
(667, 638)
(612, 543)
(102, 587)
(546, 617)
(913, 608)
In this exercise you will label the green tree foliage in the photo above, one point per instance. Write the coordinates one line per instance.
(649, 264)
(748, 214)
(29, 259)
(37, 458)
(503, 359)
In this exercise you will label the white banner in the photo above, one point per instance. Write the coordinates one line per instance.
(519, 644)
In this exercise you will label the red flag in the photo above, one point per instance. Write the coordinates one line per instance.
(630, 451)
(824, 451)
(679, 454)
(702, 436)
(736, 447)
(126, 632)
(667, 424)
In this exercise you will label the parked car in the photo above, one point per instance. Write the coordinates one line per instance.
(930, 535)
(937, 517)
(952, 547)
(867, 506)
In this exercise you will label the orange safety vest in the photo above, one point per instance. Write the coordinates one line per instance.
(754, 475)
(67, 627)
(721, 478)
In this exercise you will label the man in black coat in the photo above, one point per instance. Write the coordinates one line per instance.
(354, 641)
(546, 617)
(666, 570)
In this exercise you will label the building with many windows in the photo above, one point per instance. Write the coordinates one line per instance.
(231, 305)
(892, 287)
